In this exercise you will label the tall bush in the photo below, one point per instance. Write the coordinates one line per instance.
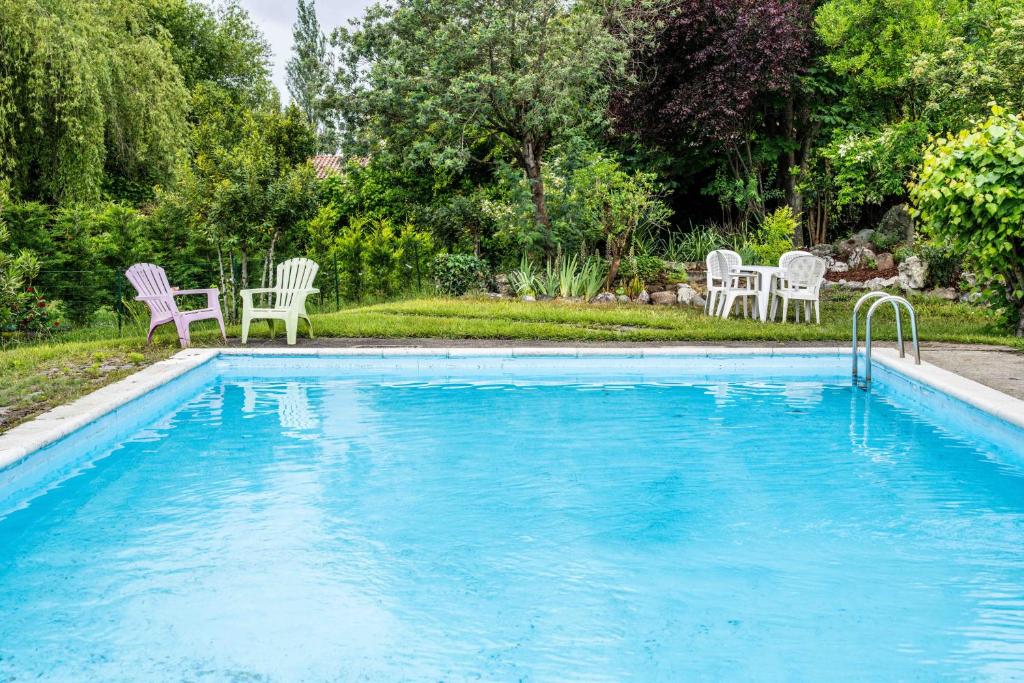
(970, 191)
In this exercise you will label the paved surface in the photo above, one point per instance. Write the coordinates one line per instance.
(999, 367)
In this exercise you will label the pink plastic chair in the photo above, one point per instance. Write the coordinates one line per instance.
(151, 283)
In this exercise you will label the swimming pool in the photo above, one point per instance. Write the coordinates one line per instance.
(593, 517)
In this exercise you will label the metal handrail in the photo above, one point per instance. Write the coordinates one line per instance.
(898, 303)
(867, 333)
(899, 325)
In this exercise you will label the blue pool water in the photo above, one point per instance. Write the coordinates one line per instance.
(547, 521)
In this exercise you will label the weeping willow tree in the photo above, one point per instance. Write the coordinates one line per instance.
(89, 97)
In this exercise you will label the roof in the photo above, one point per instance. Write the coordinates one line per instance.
(327, 164)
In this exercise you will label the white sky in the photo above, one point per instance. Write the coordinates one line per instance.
(276, 18)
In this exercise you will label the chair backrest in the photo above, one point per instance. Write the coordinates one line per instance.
(719, 263)
(294, 277)
(804, 272)
(790, 255)
(150, 280)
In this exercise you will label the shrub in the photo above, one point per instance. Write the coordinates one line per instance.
(645, 268)
(775, 236)
(694, 245)
(944, 264)
(456, 274)
(970, 193)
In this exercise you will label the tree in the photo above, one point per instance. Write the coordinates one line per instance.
(970, 191)
(85, 93)
(249, 187)
(707, 71)
(436, 79)
(309, 73)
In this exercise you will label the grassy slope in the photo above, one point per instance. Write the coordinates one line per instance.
(35, 378)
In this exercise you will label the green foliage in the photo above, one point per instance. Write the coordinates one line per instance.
(868, 169)
(970, 192)
(456, 274)
(22, 308)
(874, 42)
(645, 267)
(693, 245)
(774, 237)
(523, 279)
(309, 74)
(944, 263)
(85, 91)
(438, 78)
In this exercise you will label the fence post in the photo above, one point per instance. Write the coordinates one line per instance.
(337, 292)
(234, 289)
(416, 260)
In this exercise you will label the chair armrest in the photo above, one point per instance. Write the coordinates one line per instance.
(257, 290)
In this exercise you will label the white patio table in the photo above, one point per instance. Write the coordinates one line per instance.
(765, 286)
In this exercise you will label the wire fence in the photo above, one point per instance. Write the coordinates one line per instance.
(102, 300)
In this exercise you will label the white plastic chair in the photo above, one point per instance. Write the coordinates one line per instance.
(294, 283)
(784, 261)
(716, 277)
(735, 285)
(799, 281)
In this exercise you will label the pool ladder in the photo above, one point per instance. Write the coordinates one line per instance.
(898, 303)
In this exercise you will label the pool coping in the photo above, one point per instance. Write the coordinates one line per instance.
(26, 438)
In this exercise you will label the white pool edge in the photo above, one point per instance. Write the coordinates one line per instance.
(57, 423)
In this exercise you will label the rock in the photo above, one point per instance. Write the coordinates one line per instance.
(862, 257)
(970, 297)
(947, 293)
(502, 285)
(827, 284)
(839, 267)
(527, 297)
(544, 297)
(885, 261)
(495, 295)
(643, 297)
(897, 225)
(877, 283)
(622, 299)
(604, 298)
(663, 298)
(860, 240)
(913, 274)
(823, 250)
(688, 296)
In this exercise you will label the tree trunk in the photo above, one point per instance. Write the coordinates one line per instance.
(531, 159)
(794, 198)
(245, 268)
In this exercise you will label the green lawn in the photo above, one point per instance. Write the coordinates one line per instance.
(36, 377)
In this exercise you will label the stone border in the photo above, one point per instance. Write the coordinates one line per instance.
(47, 428)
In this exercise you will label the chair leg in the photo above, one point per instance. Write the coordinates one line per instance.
(152, 329)
(183, 337)
(729, 301)
(270, 323)
(291, 328)
(223, 334)
(309, 324)
(785, 307)
(817, 312)
(246, 320)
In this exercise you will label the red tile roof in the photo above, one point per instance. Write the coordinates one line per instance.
(327, 164)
